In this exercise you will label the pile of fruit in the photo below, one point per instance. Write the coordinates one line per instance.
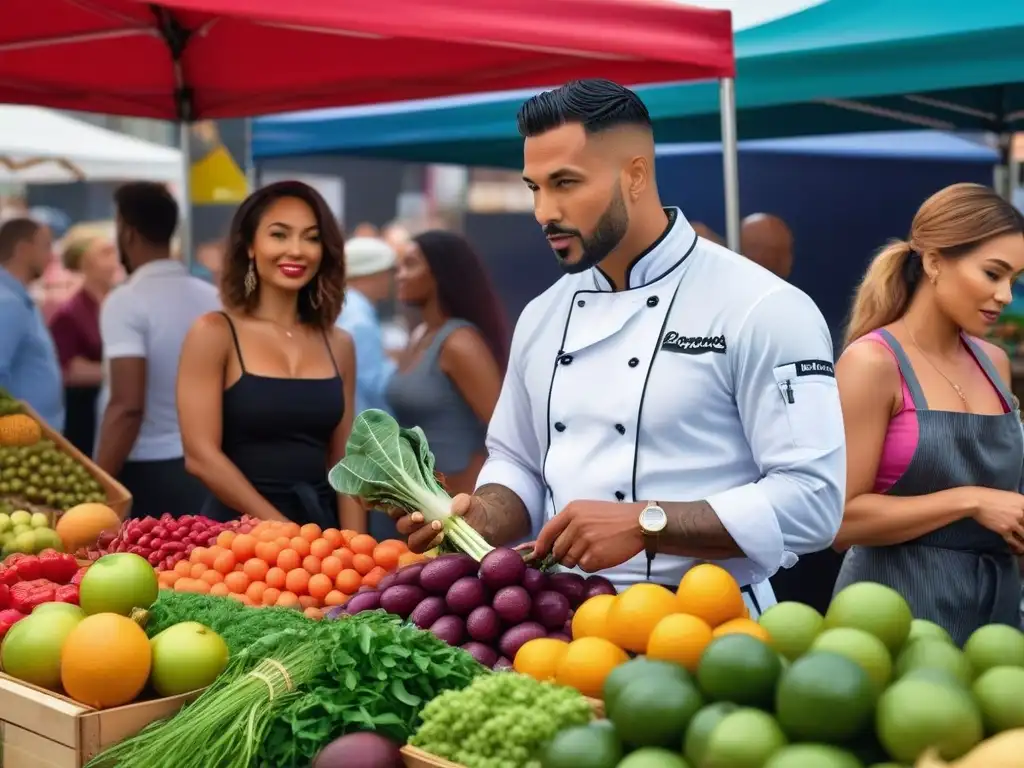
(27, 581)
(27, 533)
(88, 647)
(34, 472)
(864, 684)
(163, 541)
(287, 565)
(490, 609)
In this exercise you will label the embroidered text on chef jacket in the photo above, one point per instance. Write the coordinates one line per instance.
(707, 378)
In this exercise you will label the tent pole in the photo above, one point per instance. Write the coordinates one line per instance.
(730, 161)
(187, 224)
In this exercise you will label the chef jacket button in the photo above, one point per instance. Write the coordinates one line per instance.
(565, 359)
(620, 429)
(652, 301)
(634, 362)
(581, 303)
(620, 495)
(559, 426)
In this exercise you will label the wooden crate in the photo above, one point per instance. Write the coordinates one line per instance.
(414, 757)
(118, 497)
(41, 729)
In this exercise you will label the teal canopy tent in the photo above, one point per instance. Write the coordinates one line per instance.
(839, 67)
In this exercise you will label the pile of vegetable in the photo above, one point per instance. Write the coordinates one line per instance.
(289, 693)
(500, 721)
(240, 626)
(489, 609)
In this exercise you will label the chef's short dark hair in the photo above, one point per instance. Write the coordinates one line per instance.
(595, 104)
(13, 233)
(148, 208)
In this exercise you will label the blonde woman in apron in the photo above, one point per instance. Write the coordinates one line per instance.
(934, 442)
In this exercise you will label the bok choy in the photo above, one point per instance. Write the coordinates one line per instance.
(388, 466)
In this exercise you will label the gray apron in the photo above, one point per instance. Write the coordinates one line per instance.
(961, 575)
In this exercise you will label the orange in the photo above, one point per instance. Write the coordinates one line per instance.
(310, 532)
(331, 566)
(288, 600)
(334, 537)
(308, 601)
(540, 658)
(743, 626)
(270, 596)
(372, 579)
(183, 567)
(255, 592)
(348, 581)
(345, 555)
(591, 618)
(636, 612)
(224, 539)
(321, 548)
(363, 563)
(311, 564)
(210, 555)
(319, 585)
(408, 558)
(334, 597)
(386, 555)
(586, 664)
(225, 562)
(680, 638)
(289, 560)
(296, 581)
(267, 551)
(256, 569)
(237, 582)
(711, 593)
(362, 544)
(212, 577)
(220, 590)
(244, 546)
(197, 555)
(275, 577)
(300, 545)
(105, 661)
(198, 569)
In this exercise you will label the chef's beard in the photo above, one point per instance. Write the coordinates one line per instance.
(608, 233)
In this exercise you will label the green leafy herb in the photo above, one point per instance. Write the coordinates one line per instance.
(393, 467)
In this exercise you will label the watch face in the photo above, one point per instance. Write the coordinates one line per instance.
(653, 519)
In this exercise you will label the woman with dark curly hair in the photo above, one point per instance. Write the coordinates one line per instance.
(450, 374)
(265, 388)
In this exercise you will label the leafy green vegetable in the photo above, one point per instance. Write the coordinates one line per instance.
(393, 467)
(499, 721)
(376, 673)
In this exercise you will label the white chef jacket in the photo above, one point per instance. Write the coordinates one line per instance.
(707, 378)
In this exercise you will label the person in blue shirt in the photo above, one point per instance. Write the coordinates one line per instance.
(369, 266)
(29, 369)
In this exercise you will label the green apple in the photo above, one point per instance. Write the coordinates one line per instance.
(21, 517)
(186, 657)
(39, 520)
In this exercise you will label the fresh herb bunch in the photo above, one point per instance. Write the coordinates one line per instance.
(392, 467)
(377, 673)
(239, 625)
(500, 721)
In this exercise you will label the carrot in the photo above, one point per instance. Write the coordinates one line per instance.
(372, 579)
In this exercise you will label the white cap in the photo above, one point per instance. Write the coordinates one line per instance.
(368, 256)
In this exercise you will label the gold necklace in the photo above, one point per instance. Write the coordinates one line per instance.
(278, 325)
(953, 384)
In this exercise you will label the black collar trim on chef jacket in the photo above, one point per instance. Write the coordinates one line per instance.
(673, 217)
(657, 342)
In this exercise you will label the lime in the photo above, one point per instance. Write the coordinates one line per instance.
(701, 726)
(861, 647)
(585, 746)
(653, 757)
(998, 693)
(914, 715)
(921, 629)
(935, 654)
(740, 669)
(824, 697)
(875, 608)
(631, 670)
(745, 738)
(812, 756)
(792, 627)
(995, 645)
(941, 676)
(654, 711)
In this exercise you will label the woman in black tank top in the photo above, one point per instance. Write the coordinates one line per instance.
(264, 387)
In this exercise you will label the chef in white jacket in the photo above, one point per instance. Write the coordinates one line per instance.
(667, 401)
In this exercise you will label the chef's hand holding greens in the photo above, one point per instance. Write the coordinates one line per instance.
(391, 467)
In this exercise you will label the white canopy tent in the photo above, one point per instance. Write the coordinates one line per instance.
(41, 146)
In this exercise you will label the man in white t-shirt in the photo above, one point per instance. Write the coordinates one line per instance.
(143, 324)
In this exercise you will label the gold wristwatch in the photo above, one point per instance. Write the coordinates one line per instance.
(652, 522)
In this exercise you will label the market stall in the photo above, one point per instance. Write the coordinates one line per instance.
(256, 643)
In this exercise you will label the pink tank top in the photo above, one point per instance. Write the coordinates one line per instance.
(901, 436)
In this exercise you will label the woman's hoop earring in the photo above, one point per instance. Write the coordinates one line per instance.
(250, 279)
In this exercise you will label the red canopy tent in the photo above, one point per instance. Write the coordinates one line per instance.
(187, 60)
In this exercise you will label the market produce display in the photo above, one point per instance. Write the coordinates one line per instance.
(499, 721)
(289, 694)
(35, 474)
(70, 631)
(26, 532)
(864, 684)
(163, 541)
(489, 608)
(289, 566)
